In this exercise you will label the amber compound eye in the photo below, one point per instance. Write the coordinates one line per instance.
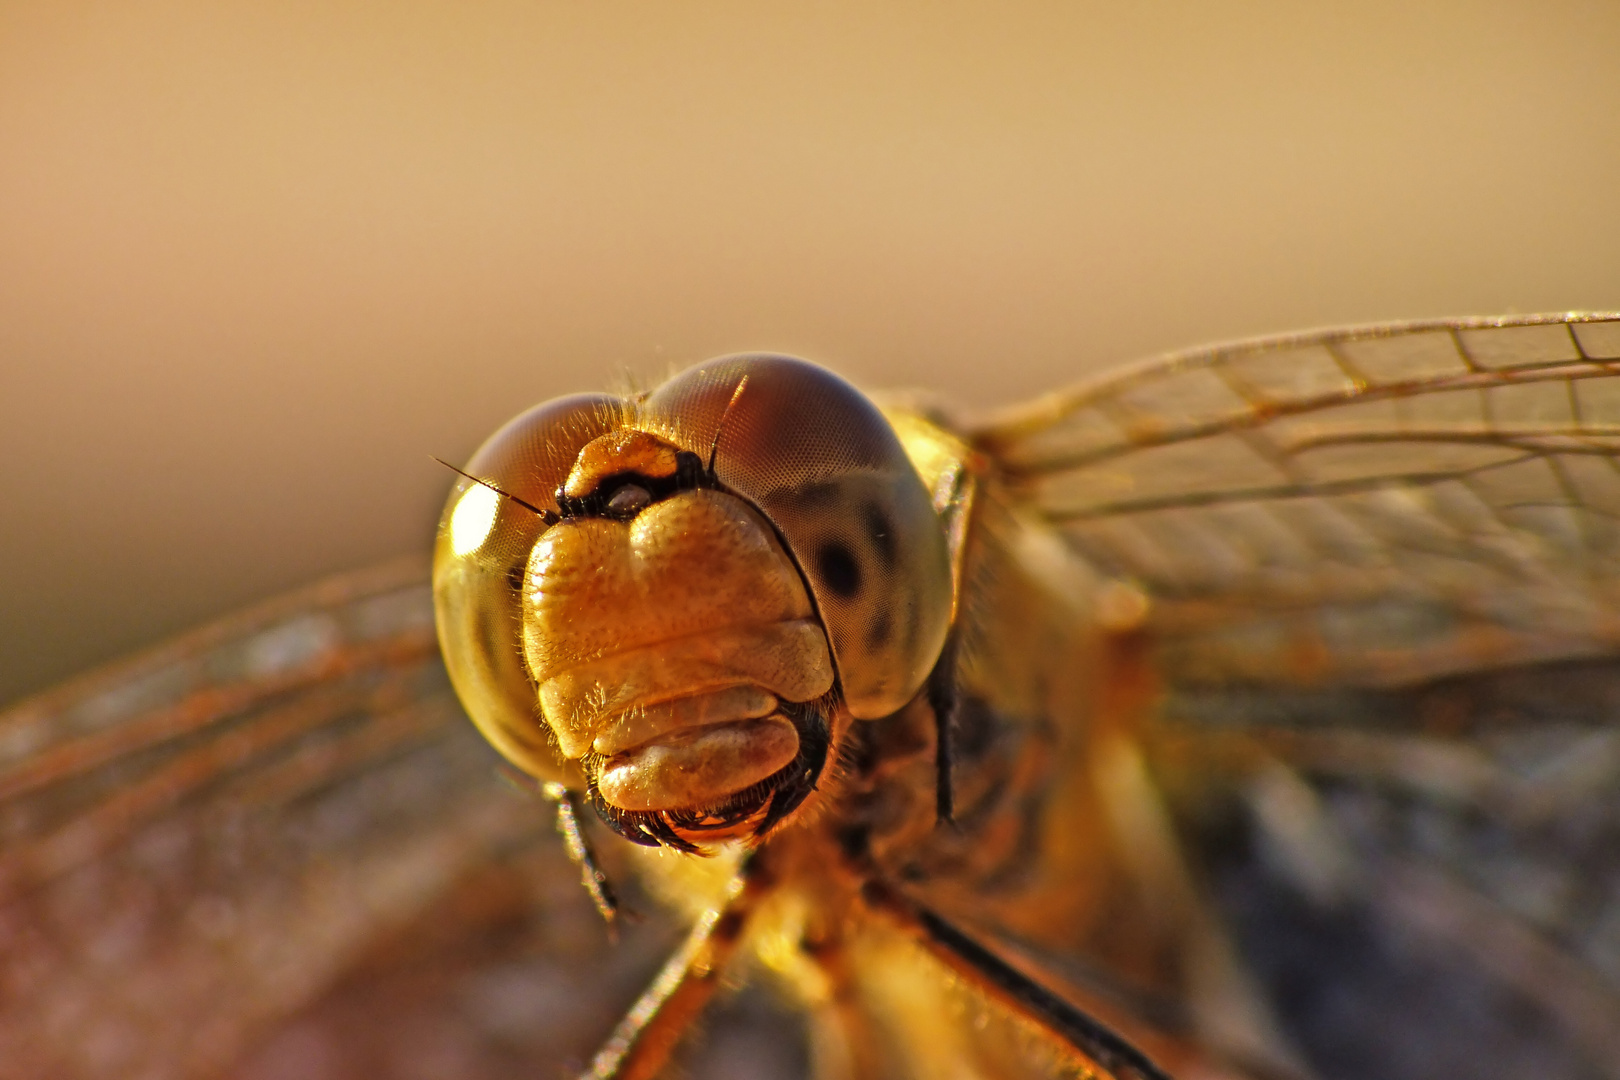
(819, 460)
(482, 548)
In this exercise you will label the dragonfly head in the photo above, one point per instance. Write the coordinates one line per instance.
(722, 574)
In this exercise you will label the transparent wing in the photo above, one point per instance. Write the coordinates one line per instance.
(277, 848)
(1371, 505)
(1385, 566)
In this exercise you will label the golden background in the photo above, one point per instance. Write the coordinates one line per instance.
(258, 261)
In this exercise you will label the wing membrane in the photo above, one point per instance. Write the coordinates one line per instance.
(1372, 505)
(1386, 571)
(277, 847)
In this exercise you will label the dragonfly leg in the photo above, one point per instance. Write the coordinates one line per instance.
(643, 1041)
(1086, 1038)
(579, 851)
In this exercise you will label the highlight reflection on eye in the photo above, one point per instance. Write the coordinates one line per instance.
(473, 518)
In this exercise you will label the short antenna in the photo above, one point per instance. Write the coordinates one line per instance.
(548, 516)
(714, 447)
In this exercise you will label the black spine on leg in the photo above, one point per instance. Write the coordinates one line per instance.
(941, 690)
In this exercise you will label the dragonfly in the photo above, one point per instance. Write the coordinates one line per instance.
(1252, 711)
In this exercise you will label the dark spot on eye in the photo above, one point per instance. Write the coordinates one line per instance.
(882, 628)
(484, 633)
(882, 534)
(837, 569)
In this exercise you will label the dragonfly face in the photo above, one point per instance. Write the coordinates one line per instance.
(1272, 688)
(716, 580)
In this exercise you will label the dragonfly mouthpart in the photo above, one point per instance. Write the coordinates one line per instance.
(693, 750)
(645, 722)
(715, 751)
(691, 767)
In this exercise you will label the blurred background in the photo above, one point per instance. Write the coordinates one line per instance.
(258, 261)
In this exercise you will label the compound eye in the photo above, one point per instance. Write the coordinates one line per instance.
(483, 546)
